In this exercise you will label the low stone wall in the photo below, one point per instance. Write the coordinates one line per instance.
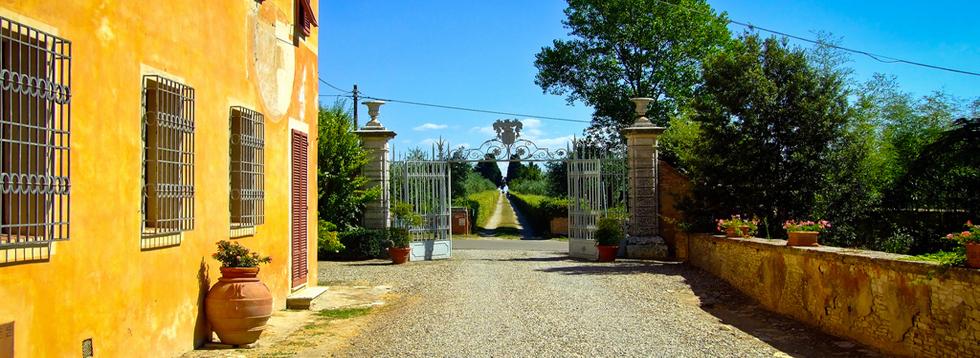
(864, 296)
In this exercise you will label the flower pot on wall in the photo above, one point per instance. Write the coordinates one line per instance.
(239, 305)
(399, 255)
(740, 231)
(972, 255)
(607, 253)
(802, 238)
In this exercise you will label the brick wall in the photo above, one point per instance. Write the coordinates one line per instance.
(865, 296)
(674, 186)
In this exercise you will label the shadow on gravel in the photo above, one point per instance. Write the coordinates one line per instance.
(732, 308)
(535, 259)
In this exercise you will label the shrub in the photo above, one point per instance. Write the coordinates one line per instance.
(609, 232)
(483, 205)
(540, 210)
(359, 244)
(327, 241)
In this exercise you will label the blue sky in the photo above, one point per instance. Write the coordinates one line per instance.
(481, 55)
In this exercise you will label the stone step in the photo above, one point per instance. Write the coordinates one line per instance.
(300, 300)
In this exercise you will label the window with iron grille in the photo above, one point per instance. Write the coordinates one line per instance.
(35, 121)
(247, 168)
(168, 158)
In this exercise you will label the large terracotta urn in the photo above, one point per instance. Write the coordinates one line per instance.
(238, 306)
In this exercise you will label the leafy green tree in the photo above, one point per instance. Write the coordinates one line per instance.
(514, 169)
(340, 185)
(557, 177)
(767, 121)
(621, 49)
(489, 169)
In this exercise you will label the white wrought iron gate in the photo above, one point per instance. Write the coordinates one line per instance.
(425, 185)
(597, 186)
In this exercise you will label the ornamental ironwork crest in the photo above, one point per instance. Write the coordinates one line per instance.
(506, 145)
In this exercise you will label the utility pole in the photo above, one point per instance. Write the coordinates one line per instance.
(356, 126)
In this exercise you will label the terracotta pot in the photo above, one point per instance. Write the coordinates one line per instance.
(399, 255)
(972, 255)
(607, 253)
(802, 238)
(238, 306)
(741, 231)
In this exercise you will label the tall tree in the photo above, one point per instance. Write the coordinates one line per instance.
(767, 123)
(489, 169)
(514, 169)
(630, 48)
(340, 158)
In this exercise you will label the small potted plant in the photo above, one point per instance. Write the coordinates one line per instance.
(804, 233)
(239, 305)
(971, 240)
(608, 235)
(738, 227)
(399, 237)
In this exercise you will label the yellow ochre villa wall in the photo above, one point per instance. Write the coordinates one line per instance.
(103, 284)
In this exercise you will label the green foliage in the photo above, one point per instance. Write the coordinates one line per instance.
(621, 49)
(483, 204)
(233, 254)
(530, 186)
(540, 210)
(340, 184)
(557, 177)
(767, 122)
(344, 313)
(609, 232)
(678, 142)
(970, 236)
(359, 244)
(491, 171)
(944, 259)
(475, 183)
(514, 169)
(405, 218)
(327, 241)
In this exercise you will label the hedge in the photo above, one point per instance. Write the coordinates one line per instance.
(540, 209)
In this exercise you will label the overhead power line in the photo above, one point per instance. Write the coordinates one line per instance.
(334, 87)
(879, 58)
(478, 110)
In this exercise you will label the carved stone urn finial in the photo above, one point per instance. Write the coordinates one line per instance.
(642, 105)
(373, 112)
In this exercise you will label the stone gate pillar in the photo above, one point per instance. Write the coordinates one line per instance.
(644, 241)
(375, 139)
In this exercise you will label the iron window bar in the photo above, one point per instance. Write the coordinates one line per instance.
(247, 149)
(168, 158)
(35, 138)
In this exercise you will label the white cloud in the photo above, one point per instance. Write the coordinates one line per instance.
(554, 143)
(430, 126)
(488, 130)
(428, 141)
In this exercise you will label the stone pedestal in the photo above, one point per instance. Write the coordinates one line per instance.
(375, 138)
(644, 241)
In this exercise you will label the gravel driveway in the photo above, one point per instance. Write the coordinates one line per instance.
(543, 304)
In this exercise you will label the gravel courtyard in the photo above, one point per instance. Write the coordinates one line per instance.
(511, 303)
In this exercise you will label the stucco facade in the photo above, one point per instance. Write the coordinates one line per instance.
(105, 284)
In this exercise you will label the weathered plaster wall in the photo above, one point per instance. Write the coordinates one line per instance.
(100, 284)
(864, 296)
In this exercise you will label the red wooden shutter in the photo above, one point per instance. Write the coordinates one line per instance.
(305, 18)
(299, 207)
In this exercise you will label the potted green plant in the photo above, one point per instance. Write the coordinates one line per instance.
(608, 235)
(804, 233)
(239, 305)
(971, 240)
(399, 237)
(738, 227)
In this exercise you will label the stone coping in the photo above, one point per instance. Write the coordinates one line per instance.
(896, 262)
